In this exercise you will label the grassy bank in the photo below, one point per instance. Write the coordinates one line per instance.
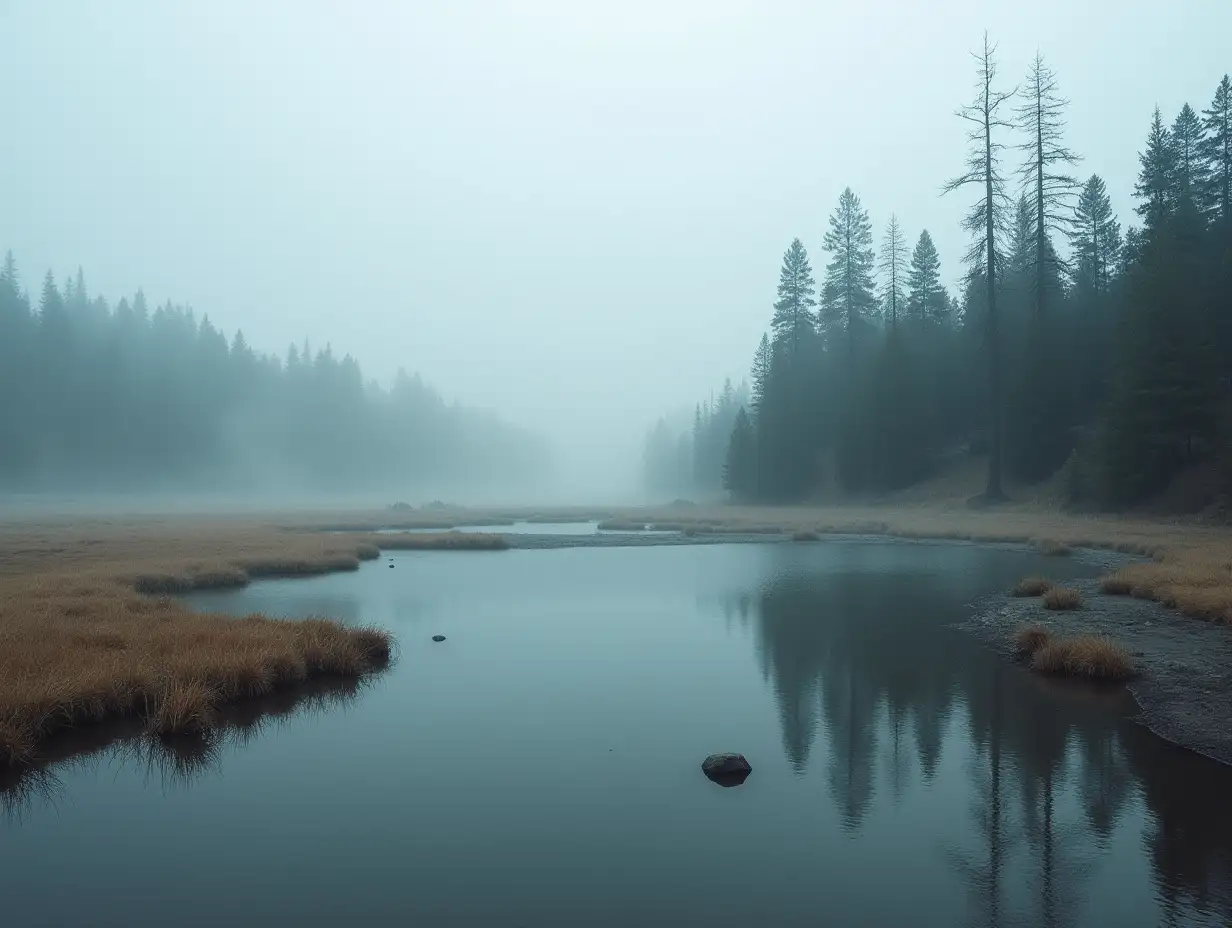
(88, 630)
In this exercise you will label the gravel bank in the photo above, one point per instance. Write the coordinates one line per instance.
(1184, 683)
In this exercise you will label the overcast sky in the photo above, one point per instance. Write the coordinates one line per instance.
(571, 211)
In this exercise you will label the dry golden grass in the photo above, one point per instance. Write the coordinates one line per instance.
(1031, 638)
(1095, 657)
(1052, 548)
(1116, 585)
(87, 632)
(1061, 597)
(78, 642)
(1031, 586)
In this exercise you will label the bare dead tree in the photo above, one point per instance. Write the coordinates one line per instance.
(986, 220)
(1051, 191)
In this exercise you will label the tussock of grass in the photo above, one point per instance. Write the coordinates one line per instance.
(1052, 548)
(1094, 657)
(1060, 597)
(805, 535)
(1032, 586)
(1031, 638)
(184, 707)
(1116, 585)
(445, 541)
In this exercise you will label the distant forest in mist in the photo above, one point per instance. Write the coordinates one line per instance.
(1076, 351)
(103, 398)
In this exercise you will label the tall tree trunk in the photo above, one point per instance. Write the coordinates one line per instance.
(1041, 239)
(993, 491)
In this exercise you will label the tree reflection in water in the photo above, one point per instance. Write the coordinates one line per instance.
(1053, 769)
(174, 762)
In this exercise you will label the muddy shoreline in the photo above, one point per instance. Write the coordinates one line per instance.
(1183, 686)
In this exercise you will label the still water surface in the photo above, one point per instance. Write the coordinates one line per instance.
(529, 528)
(540, 767)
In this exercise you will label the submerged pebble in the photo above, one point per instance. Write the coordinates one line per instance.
(438, 637)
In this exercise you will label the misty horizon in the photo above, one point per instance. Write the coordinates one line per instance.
(543, 210)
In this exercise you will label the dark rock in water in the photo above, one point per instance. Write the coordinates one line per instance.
(438, 637)
(727, 769)
(391, 566)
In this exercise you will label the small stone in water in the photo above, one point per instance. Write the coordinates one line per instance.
(438, 637)
(727, 769)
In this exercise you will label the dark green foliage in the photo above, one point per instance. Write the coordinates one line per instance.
(926, 297)
(1156, 176)
(1190, 180)
(1097, 264)
(894, 272)
(1108, 361)
(740, 468)
(1095, 236)
(1215, 147)
(119, 399)
(1164, 406)
(794, 317)
(847, 301)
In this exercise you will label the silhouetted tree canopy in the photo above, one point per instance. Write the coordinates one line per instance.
(109, 398)
(1074, 349)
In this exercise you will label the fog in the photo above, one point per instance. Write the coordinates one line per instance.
(569, 213)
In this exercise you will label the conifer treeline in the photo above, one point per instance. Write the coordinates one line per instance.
(1073, 345)
(101, 397)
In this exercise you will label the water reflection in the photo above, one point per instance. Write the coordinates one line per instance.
(168, 761)
(1050, 768)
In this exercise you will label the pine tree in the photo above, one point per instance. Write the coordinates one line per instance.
(8, 273)
(1189, 180)
(1156, 177)
(1051, 190)
(986, 221)
(739, 468)
(926, 300)
(761, 374)
(848, 289)
(1021, 250)
(1096, 239)
(794, 317)
(1216, 152)
(894, 270)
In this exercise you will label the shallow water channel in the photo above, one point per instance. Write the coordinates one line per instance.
(540, 767)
